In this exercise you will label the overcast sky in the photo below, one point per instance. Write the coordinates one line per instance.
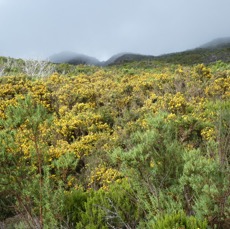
(101, 28)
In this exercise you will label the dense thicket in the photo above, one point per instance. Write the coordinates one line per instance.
(140, 145)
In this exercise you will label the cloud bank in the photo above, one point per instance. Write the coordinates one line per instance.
(31, 28)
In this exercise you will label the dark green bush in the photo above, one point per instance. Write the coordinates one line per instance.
(112, 208)
(74, 206)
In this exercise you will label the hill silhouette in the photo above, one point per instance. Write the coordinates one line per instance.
(217, 49)
(217, 43)
(73, 58)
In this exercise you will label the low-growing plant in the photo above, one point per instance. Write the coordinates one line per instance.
(178, 221)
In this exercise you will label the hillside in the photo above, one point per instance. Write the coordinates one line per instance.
(143, 143)
(217, 43)
(73, 58)
(212, 51)
(122, 58)
(217, 50)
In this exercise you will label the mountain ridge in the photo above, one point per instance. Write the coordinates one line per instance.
(76, 58)
(206, 56)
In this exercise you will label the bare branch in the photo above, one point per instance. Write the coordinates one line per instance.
(38, 68)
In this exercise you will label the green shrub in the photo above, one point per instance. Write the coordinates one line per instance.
(205, 184)
(178, 221)
(74, 206)
(114, 208)
(153, 164)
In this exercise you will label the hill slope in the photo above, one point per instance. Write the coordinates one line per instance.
(91, 145)
(217, 43)
(73, 58)
(218, 49)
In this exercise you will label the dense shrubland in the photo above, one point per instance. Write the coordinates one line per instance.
(140, 145)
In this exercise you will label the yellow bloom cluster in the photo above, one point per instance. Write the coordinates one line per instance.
(177, 104)
(95, 111)
(61, 147)
(219, 88)
(208, 133)
(102, 177)
(202, 72)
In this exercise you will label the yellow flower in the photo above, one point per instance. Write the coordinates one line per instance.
(208, 133)
(151, 163)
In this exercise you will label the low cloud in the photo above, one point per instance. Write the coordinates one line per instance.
(100, 28)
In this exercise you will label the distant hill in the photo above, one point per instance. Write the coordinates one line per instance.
(113, 58)
(217, 43)
(76, 59)
(127, 57)
(218, 49)
(73, 58)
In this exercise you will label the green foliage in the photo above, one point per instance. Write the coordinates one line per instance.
(206, 186)
(74, 206)
(6, 200)
(150, 152)
(114, 208)
(223, 127)
(25, 174)
(178, 220)
(153, 163)
(118, 146)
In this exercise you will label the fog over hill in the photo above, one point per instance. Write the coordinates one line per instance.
(38, 29)
(73, 58)
(76, 58)
(217, 43)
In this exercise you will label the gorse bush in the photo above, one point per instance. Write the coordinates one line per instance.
(24, 166)
(138, 145)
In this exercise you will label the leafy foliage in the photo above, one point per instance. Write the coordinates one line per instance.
(127, 146)
(179, 220)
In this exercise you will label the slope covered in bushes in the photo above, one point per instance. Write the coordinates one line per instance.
(139, 145)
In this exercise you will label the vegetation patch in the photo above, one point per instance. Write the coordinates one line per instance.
(142, 144)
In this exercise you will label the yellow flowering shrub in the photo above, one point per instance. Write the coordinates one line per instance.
(202, 73)
(92, 112)
(220, 88)
(177, 104)
(208, 133)
(102, 176)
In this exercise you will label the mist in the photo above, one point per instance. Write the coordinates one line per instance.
(38, 29)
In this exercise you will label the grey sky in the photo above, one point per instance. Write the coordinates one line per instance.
(101, 28)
